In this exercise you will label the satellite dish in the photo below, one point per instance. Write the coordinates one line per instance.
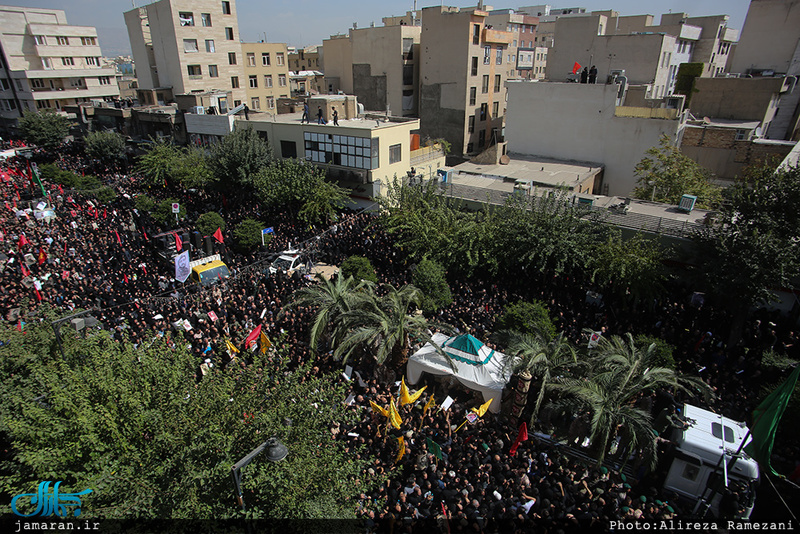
(758, 131)
(504, 160)
(706, 120)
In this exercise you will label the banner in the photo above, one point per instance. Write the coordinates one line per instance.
(182, 267)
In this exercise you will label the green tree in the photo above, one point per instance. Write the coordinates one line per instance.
(108, 147)
(619, 372)
(629, 268)
(384, 325)
(46, 129)
(324, 203)
(540, 356)
(192, 170)
(164, 163)
(665, 174)
(331, 298)
(359, 268)
(144, 203)
(662, 351)
(531, 318)
(208, 223)
(163, 212)
(135, 423)
(430, 278)
(247, 234)
(239, 158)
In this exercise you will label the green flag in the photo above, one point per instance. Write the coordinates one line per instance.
(434, 448)
(765, 421)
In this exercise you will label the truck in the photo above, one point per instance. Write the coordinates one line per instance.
(209, 270)
(696, 473)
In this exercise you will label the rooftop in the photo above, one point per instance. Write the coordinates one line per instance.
(541, 171)
(366, 122)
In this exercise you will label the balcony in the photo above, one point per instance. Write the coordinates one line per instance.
(497, 36)
(730, 35)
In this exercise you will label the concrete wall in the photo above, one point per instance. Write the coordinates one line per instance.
(338, 52)
(736, 98)
(770, 36)
(577, 122)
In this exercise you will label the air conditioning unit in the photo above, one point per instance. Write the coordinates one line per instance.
(198, 110)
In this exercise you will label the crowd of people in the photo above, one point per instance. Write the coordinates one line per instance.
(103, 257)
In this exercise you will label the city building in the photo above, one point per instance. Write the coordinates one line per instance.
(463, 69)
(379, 65)
(48, 64)
(306, 83)
(523, 60)
(586, 122)
(266, 75)
(185, 46)
(308, 58)
(770, 46)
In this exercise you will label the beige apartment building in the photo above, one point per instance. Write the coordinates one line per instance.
(308, 58)
(186, 46)
(521, 53)
(48, 64)
(266, 75)
(380, 65)
(463, 69)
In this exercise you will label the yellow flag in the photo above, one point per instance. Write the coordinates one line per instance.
(427, 405)
(265, 343)
(482, 410)
(379, 409)
(402, 450)
(231, 347)
(404, 397)
(416, 395)
(394, 416)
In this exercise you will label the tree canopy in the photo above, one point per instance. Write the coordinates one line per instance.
(248, 234)
(430, 278)
(164, 163)
(527, 318)
(107, 147)
(208, 223)
(240, 157)
(135, 423)
(46, 129)
(359, 268)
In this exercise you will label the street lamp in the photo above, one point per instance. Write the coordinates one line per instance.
(275, 452)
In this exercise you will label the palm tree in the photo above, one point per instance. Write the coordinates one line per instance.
(539, 355)
(618, 373)
(332, 298)
(384, 324)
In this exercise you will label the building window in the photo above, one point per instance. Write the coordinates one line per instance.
(497, 81)
(476, 34)
(742, 135)
(485, 84)
(271, 102)
(37, 83)
(395, 155)
(408, 74)
(408, 49)
(213, 72)
(210, 46)
(67, 61)
(469, 148)
(92, 61)
(471, 127)
(88, 41)
(484, 108)
(474, 69)
(40, 40)
(205, 19)
(46, 63)
(186, 19)
(279, 58)
(43, 104)
(499, 57)
(229, 34)
(268, 80)
(481, 138)
(265, 59)
(288, 149)
(226, 8)
(77, 82)
(63, 41)
(473, 91)
(251, 59)
(234, 82)
(194, 71)
(253, 82)
(105, 80)
(231, 58)
(190, 45)
(255, 103)
(496, 109)
(282, 80)
(4, 84)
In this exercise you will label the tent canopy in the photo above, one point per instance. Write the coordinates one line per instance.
(477, 366)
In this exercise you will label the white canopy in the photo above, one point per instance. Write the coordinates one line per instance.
(477, 366)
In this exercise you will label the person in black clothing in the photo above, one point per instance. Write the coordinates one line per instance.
(593, 74)
(584, 75)
(335, 117)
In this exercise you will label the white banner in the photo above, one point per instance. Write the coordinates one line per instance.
(182, 267)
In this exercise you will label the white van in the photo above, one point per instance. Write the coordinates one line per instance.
(699, 447)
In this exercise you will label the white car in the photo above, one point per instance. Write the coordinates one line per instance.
(289, 261)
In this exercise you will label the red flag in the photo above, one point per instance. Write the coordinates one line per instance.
(252, 337)
(118, 239)
(22, 242)
(126, 278)
(104, 212)
(8, 205)
(576, 67)
(522, 436)
(60, 189)
(73, 213)
(15, 202)
(218, 235)
(65, 248)
(145, 235)
(25, 272)
(42, 256)
(178, 242)
(38, 295)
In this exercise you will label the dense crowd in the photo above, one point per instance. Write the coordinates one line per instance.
(104, 257)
